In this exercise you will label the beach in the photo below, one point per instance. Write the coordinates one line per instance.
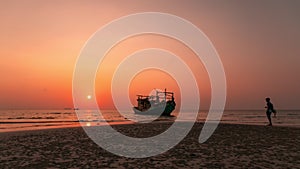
(231, 146)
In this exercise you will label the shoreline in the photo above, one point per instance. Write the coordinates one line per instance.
(95, 124)
(44, 119)
(117, 125)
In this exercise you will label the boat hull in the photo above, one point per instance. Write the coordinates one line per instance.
(157, 110)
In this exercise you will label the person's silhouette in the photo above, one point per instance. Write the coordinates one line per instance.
(270, 110)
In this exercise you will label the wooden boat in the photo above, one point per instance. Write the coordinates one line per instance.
(163, 103)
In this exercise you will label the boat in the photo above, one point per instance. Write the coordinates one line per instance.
(163, 104)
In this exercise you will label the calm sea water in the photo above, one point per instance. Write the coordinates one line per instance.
(15, 120)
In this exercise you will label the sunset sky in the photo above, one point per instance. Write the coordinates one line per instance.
(258, 43)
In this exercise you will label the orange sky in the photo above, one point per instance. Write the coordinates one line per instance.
(257, 42)
(147, 80)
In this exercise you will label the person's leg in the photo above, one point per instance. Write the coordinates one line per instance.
(269, 118)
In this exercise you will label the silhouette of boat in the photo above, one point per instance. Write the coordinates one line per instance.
(163, 103)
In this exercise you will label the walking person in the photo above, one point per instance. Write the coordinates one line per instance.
(270, 110)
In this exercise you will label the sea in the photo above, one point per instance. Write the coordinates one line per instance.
(19, 120)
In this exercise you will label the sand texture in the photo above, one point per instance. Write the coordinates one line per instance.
(231, 146)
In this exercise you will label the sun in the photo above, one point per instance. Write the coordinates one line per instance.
(89, 97)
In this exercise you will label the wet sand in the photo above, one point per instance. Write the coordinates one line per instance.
(231, 146)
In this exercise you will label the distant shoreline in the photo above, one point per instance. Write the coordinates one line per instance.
(72, 109)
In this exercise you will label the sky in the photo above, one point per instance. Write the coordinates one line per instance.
(257, 41)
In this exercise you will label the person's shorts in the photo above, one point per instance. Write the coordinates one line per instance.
(268, 113)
